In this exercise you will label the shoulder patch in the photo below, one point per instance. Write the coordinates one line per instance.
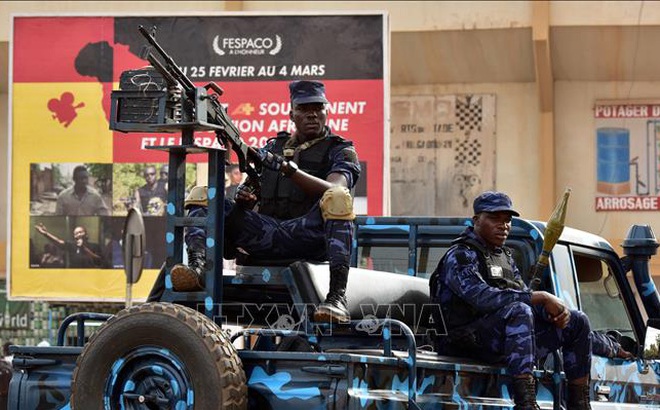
(349, 155)
(465, 255)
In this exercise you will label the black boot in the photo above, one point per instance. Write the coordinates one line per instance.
(578, 397)
(191, 277)
(524, 393)
(334, 310)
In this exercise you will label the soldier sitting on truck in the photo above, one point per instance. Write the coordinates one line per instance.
(305, 209)
(490, 314)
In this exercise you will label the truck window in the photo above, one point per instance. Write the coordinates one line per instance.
(604, 311)
(561, 263)
(395, 258)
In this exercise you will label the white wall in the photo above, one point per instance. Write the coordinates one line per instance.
(421, 15)
(603, 13)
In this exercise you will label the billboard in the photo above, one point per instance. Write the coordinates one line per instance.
(627, 139)
(72, 179)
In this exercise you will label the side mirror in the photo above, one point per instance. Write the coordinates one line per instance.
(134, 245)
(652, 340)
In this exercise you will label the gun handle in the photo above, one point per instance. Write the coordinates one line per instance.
(215, 88)
(537, 275)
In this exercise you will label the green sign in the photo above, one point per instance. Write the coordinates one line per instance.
(14, 315)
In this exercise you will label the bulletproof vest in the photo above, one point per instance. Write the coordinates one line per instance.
(280, 197)
(495, 270)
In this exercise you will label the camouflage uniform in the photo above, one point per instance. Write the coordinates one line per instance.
(505, 325)
(604, 345)
(306, 236)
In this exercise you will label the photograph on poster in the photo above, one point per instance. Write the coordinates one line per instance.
(113, 233)
(113, 229)
(144, 186)
(70, 189)
(68, 242)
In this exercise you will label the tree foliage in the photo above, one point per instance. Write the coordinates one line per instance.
(652, 351)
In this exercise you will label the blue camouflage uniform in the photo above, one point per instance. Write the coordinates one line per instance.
(293, 229)
(495, 323)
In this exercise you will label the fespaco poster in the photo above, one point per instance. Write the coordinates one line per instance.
(63, 69)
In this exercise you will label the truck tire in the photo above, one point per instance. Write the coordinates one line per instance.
(159, 356)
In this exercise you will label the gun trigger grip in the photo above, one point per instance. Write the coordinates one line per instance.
(215, 88)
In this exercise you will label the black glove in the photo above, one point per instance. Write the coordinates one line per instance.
(249, 187)
(270, 160)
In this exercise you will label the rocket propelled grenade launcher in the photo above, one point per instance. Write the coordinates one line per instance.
(553, 230)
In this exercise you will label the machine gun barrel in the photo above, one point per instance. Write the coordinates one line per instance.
(171, 68)
(553, 230)
(148, 55)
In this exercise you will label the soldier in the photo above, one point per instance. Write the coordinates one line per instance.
(490, 314)
(305, 209)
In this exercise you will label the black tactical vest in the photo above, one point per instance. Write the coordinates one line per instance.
(495, 270)
(280, 197)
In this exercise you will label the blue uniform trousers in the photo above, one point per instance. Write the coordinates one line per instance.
(519, 334)
(262, 236)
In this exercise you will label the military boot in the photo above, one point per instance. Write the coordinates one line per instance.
(524, 393)
(333, 309)
(191, 277)
(578, 397)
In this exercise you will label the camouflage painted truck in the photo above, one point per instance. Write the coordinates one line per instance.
(179, 352)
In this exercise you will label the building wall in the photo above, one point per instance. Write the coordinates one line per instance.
(421, 15)
(517, 125)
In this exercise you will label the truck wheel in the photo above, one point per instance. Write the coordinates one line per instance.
(159, 356)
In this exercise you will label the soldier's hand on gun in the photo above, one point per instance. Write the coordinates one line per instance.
(270, 160)
(247, 194)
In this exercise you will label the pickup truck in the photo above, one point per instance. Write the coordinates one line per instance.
(175, 355)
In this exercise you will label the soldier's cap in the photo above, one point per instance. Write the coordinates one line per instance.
(307, 92)
(493, 201)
